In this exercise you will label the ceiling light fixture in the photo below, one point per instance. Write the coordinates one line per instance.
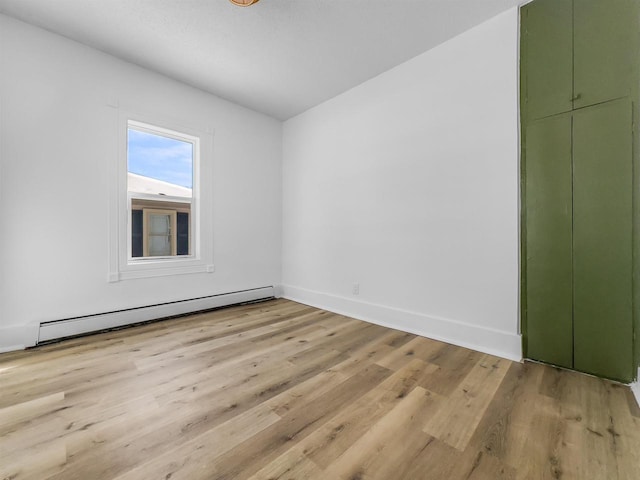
(244, 3)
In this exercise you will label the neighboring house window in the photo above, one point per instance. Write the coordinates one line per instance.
(159, 232)
(160, 166)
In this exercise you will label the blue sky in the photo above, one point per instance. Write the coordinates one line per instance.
(161, 158)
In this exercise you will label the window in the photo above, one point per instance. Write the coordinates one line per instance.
(159, 191)
(161, 222)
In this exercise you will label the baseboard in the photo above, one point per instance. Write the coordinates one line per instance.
(18, 337)
(102, 321)
(494, 342)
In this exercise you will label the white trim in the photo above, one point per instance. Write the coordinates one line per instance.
(147, 127)
(102, 321)
(200, 260)
(18, 337)
(160, 270)
(494, 342)
(635, 387)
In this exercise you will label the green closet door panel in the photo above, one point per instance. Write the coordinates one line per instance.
(605, 49)
(602, 169)
(549, 336)
(546, 26)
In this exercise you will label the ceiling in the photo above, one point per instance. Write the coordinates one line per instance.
(279, 57)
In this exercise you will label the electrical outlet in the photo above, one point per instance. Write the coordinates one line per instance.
(356, 289)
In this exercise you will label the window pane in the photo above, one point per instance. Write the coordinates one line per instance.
(159, 224)
(159, 234)
(159, 245)
(159, 165)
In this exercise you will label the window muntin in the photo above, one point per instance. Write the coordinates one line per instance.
(179, 235)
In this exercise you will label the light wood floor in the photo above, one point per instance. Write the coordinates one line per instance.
(279, 390)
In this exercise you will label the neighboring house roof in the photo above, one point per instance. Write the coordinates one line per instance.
(141, 184)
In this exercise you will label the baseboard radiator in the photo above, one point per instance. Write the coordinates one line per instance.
(70, 327)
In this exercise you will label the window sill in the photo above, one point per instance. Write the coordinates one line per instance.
(147, 269)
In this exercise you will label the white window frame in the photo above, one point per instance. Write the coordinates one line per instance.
(122, 266)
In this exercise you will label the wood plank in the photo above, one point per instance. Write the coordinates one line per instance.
(595, 419)
(394, 438)
(188, 460)
(458, 419)
(351, 423)
(418, 347)
(505, 424)
(481, 466)
(292, 464)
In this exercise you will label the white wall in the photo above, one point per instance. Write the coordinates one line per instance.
(58, 140)
(408, 185)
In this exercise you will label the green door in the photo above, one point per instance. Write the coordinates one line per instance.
(602, 240)
(547, 51)
(548, 213)
(605, 49)
(580, 66)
